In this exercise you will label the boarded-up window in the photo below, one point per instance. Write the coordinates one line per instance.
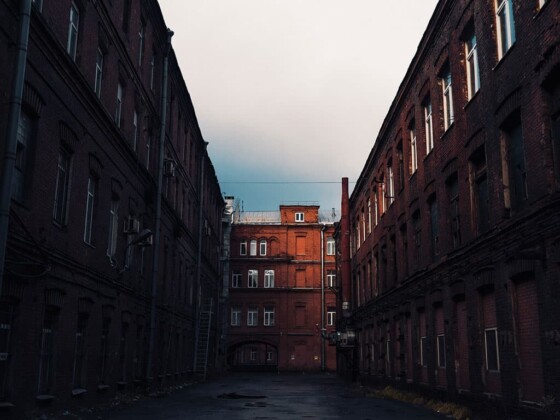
(300, 316)
(300, 245)
(300, 278)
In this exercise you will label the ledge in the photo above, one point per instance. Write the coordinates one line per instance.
(102, 387)
(44, 398)
(6, 405)
(78, 391)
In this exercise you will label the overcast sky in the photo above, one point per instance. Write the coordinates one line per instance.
(290, 94)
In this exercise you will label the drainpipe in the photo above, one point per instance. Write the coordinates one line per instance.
(157, 233)
(345, 249)
(323, 341)
(11, 131)
(198, 304)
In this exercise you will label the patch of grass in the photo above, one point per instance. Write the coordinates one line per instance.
(449, 409)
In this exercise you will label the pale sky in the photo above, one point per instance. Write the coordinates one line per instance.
(292, 91)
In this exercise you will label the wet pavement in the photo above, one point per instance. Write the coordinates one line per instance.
(268, 396)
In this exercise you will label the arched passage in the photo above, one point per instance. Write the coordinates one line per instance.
(252, 355)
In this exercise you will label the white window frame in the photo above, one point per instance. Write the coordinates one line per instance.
(413, 152)
(243, 247)
(252, 317)
(473, 71)
(141, 43)
(135, 130)
(113, 228)
(269, 316)
(73, 26)
(262, 247)
(253, 278)
(118, 105)
(331, 246)
(331, 278)
(331, 318)
(148, 147)
(423, 342)
(98, 72)
(235, 320)
(541, 3)
(90, 201)
(253, 248)
(236, 279)
(269, 279)
(152, 71)
(428, 125)
(448, 113)
(300, 217)
(505, 26)
(369, 216)
(391, 182)
(495, 330)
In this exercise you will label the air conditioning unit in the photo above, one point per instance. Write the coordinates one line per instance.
(131, 225)
(168, 168)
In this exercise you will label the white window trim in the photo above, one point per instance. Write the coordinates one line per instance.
(448, 113)
(235, 316)
(506, 7)
(473, 80)
(243, 248)
(113, 228)
(262, 247)
(252, 317)
(486, 349)
(439, 355)
(73, 26)
(331, 246)
(98, 72)
(118, 106)
(90, 201)
(429, 126)
(253, 279)
(391, 179)
(331, 318)
(135, 130)
(413, 153)
(300, 217)
(236, 279)
(253, 248)
(269, 279)
(269, 313)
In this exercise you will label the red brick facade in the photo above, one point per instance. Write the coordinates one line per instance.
(75, 308)
(454, 220)
(278, 262)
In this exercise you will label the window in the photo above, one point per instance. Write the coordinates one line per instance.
(152, 71)
(235, 316)
(400, 173)
(434, 227)
(331, 278)
(262, 247)
(541, 3)
(331, 246)
(253, 248)
(479, 188)
(448, 115)
(505, 26)
(391, 185)
(140, 43)
(135, 130)
(113, 228)
(473, 75)
(90, 200)
(413, 150)
(417, 232)
(98, 72)
(268, 356)
(269, 278)
(123, 351)
(148, 146)
(61, 189)
(243, 248)
(80, 352)
(253, 278)
(118, 105)
(46, 364)
(104, 347)
(441, 350)
(491, 349)
(72, 43)
(368, 223)
(300, 217)
(252, 317)
(236, 279)
(423, 359)
(428, 125)
(269, 316)
(331, 316)
(375, 208)
(24, 142)
(453, 197)
(5, 333)
(514, 164)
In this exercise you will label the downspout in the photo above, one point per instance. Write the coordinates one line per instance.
(198, 303)
(157, 228)
(11, 131)
(345, 249)
(323, 341)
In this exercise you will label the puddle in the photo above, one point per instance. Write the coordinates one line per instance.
(236, 396)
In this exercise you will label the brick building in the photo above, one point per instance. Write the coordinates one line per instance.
(282, 264)
(115, 218)
(451, 237)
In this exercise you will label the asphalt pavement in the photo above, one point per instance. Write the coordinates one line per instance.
(266, 396)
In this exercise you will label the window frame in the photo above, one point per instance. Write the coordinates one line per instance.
(447, 95)
(413, 150)
(113, 227)
(428, 124)
(73, 29)
(262, 247)
(118, 104)
(243, 247)
(253, 248)
(269, 316)
(331, 246)
(236, 279)
(269, 279)
(299, 217)
(252, 278)
(472, 65)
(505, 25)
(90, 202)
(99, 60)
(494, 330)
(62, 187)
(235, 316)
(252, 316)
(441, 359)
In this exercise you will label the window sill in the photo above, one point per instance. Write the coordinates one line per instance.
(102, 388)
(471, 99)
(6, 404)
(44, 398)
(78, 391)
(444, 135)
